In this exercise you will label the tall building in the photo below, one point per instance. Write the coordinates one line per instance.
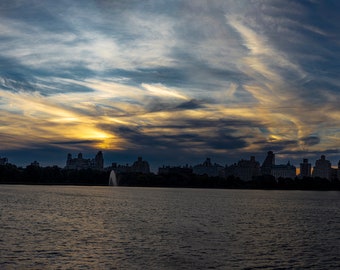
(267, 164)
(305, 168)
(140, 166)
(99, 160)
(246, 170)
(322, 168)
(80, 163)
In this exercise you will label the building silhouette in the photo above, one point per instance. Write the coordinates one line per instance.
(99, 161)
(305, 168)
(230, 170)
(266, 168)
(208, 168)
(283, 171)
(278, 171)
(120, 168)
(80, 163)
(3, 161)
(139, 166)
(322, 168)
(246, 170)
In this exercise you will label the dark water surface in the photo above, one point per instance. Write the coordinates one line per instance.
(62, 227)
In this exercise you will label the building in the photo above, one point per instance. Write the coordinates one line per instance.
(80, 163)
(246, 170)
(120, 168)
(305, 168)
(3, 161)
(99, 161)
(208, 168)
(322, 168)
(283, 171)
(230, 170)
(139, 166)
(267, 164)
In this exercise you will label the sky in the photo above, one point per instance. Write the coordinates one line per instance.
(172, 81)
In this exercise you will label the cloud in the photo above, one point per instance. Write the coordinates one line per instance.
(161, 90)
(310, 140)
(192, 77)
(190, 105)
(182, 138)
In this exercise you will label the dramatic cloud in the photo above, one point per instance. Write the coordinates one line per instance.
(173, 81)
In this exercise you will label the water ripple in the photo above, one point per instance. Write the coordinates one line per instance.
(46, 227)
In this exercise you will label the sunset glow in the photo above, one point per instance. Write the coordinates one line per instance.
(179, 80)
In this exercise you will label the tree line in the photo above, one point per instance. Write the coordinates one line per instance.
(54, 175)
(11, 174)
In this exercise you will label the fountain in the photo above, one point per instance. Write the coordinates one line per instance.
(113, 179)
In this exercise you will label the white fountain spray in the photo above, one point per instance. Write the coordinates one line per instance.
(113, 179)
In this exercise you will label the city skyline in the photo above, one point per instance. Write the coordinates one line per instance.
(171, 81)
(78, 161)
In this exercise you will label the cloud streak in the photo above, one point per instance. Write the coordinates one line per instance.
(224, 78)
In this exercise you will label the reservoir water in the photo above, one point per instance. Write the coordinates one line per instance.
(68, 227)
